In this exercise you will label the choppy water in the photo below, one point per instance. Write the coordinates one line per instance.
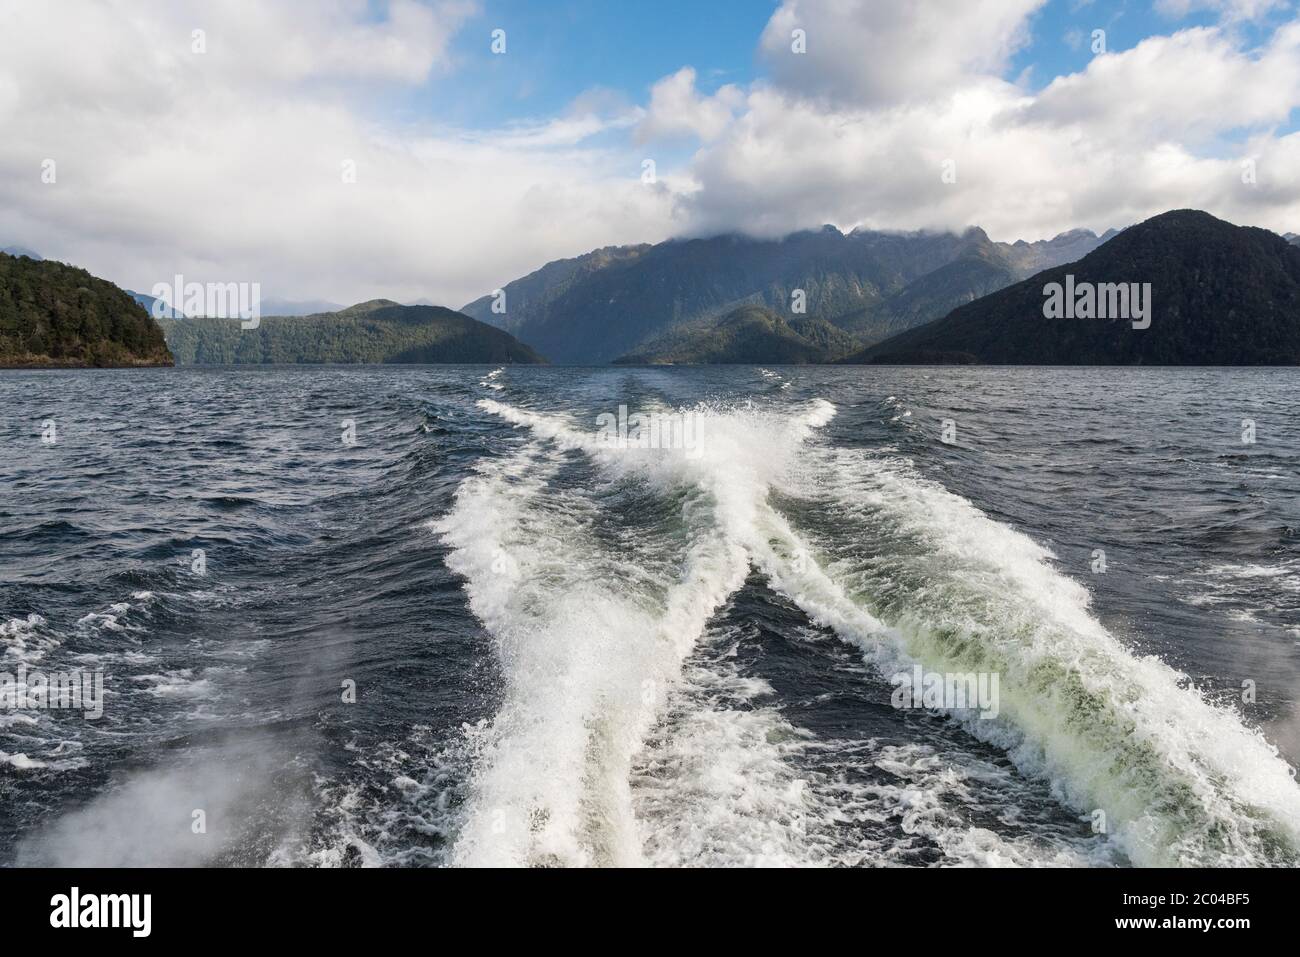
(570, 653)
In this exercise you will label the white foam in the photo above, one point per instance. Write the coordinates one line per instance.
(1182, 781)
(180, 683)
(590, 638)
(20, 761)
(592, 630)
(26, 639)
(715, 785)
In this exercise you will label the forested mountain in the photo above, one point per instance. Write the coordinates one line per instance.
(531, 296)
(1219, 295)
(56, 315)
(379, 331)
(750, 334)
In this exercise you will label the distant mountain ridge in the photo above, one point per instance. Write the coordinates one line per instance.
(155, 307)
(17, 251)
(378, 331)
(616, 301)
(1220, 294)
(272, 306)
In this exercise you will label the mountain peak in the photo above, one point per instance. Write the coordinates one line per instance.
(372, 304)
(1071, 235)
(1215, 294)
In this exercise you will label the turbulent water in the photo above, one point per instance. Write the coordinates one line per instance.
(483, 633)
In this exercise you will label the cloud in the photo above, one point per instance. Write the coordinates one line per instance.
(1229, 10)
(1191, 85)
(228, 165)
(1163, 125)
(677, 109)
(865, 53)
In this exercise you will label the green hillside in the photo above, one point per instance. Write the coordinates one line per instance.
(748, 335)
(1220, 295)
(53, 315)
(379, 331)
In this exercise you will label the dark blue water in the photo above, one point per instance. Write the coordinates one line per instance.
(569, 654)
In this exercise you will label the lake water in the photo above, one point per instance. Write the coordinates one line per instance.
(432, 615)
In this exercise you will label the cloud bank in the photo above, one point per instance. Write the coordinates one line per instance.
(275, 154)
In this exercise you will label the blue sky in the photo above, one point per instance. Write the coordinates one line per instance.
(559, 51)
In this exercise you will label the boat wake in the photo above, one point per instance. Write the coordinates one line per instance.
(625, 737)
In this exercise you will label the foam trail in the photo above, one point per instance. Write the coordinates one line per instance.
(592, 638)
(1181, 781)
(903, 569)
(715, 784)
(588, 642)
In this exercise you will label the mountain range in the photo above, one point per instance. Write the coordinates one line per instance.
(270, 306)
(56, 315)
(1215, 294)
(1221, 294)
(620, 301)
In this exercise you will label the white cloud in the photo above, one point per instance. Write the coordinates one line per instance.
(1193, 84)
(677, 109)
(1134, 134)
(227, 165)
(1230, 10)
(868, 53)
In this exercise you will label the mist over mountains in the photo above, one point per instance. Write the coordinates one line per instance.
(17, 251)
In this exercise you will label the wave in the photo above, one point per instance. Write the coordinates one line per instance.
(592, 621)
(1179, 780)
